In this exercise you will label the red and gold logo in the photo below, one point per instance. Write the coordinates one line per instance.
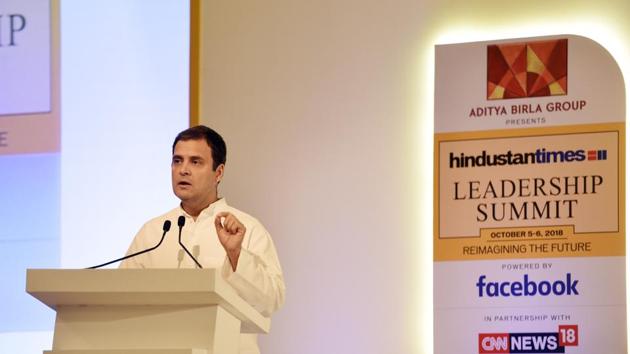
(530, 69)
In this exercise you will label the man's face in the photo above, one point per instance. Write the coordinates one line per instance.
(194, 180)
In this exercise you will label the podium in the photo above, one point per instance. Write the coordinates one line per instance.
(142, 311)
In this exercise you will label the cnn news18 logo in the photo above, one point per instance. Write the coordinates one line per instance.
(543, 342)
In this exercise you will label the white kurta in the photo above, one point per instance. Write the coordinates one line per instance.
(258, 276)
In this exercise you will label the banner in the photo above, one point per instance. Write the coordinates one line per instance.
(30, 167)
(25, 52)
(29, 77)
(529, 206)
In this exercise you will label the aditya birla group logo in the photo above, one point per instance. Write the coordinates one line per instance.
(527, 69)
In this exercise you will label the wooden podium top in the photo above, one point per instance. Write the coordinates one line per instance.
(142, 287)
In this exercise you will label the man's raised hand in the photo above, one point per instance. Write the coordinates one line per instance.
(231, 233)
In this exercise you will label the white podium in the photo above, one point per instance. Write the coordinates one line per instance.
(142, 311)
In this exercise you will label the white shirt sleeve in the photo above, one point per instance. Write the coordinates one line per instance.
(258, 277)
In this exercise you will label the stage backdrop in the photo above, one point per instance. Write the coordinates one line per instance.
(29, 155)
(125, 97)
(529, 207)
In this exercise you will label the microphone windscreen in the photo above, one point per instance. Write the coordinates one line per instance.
(181, 221)
(166, 226)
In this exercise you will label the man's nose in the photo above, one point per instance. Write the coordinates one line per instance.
(184, 169)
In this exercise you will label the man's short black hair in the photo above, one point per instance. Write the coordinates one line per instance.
(214, 140)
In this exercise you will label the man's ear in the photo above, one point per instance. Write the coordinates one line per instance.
(218, 173)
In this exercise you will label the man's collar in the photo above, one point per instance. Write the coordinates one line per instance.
(208, 211)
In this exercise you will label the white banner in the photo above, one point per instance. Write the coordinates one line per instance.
(529, 231)
(25, 57)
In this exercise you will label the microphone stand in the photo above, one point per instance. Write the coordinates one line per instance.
(165, 228)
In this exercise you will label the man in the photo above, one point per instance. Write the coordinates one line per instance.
(218, 235)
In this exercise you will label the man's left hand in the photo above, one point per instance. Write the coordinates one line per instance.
(231, 233)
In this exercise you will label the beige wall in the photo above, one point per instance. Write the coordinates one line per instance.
(326, 109)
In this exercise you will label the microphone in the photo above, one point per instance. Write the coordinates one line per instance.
(180, 222)
(165, 228)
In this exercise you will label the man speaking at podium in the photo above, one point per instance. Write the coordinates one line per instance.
(214, 234)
